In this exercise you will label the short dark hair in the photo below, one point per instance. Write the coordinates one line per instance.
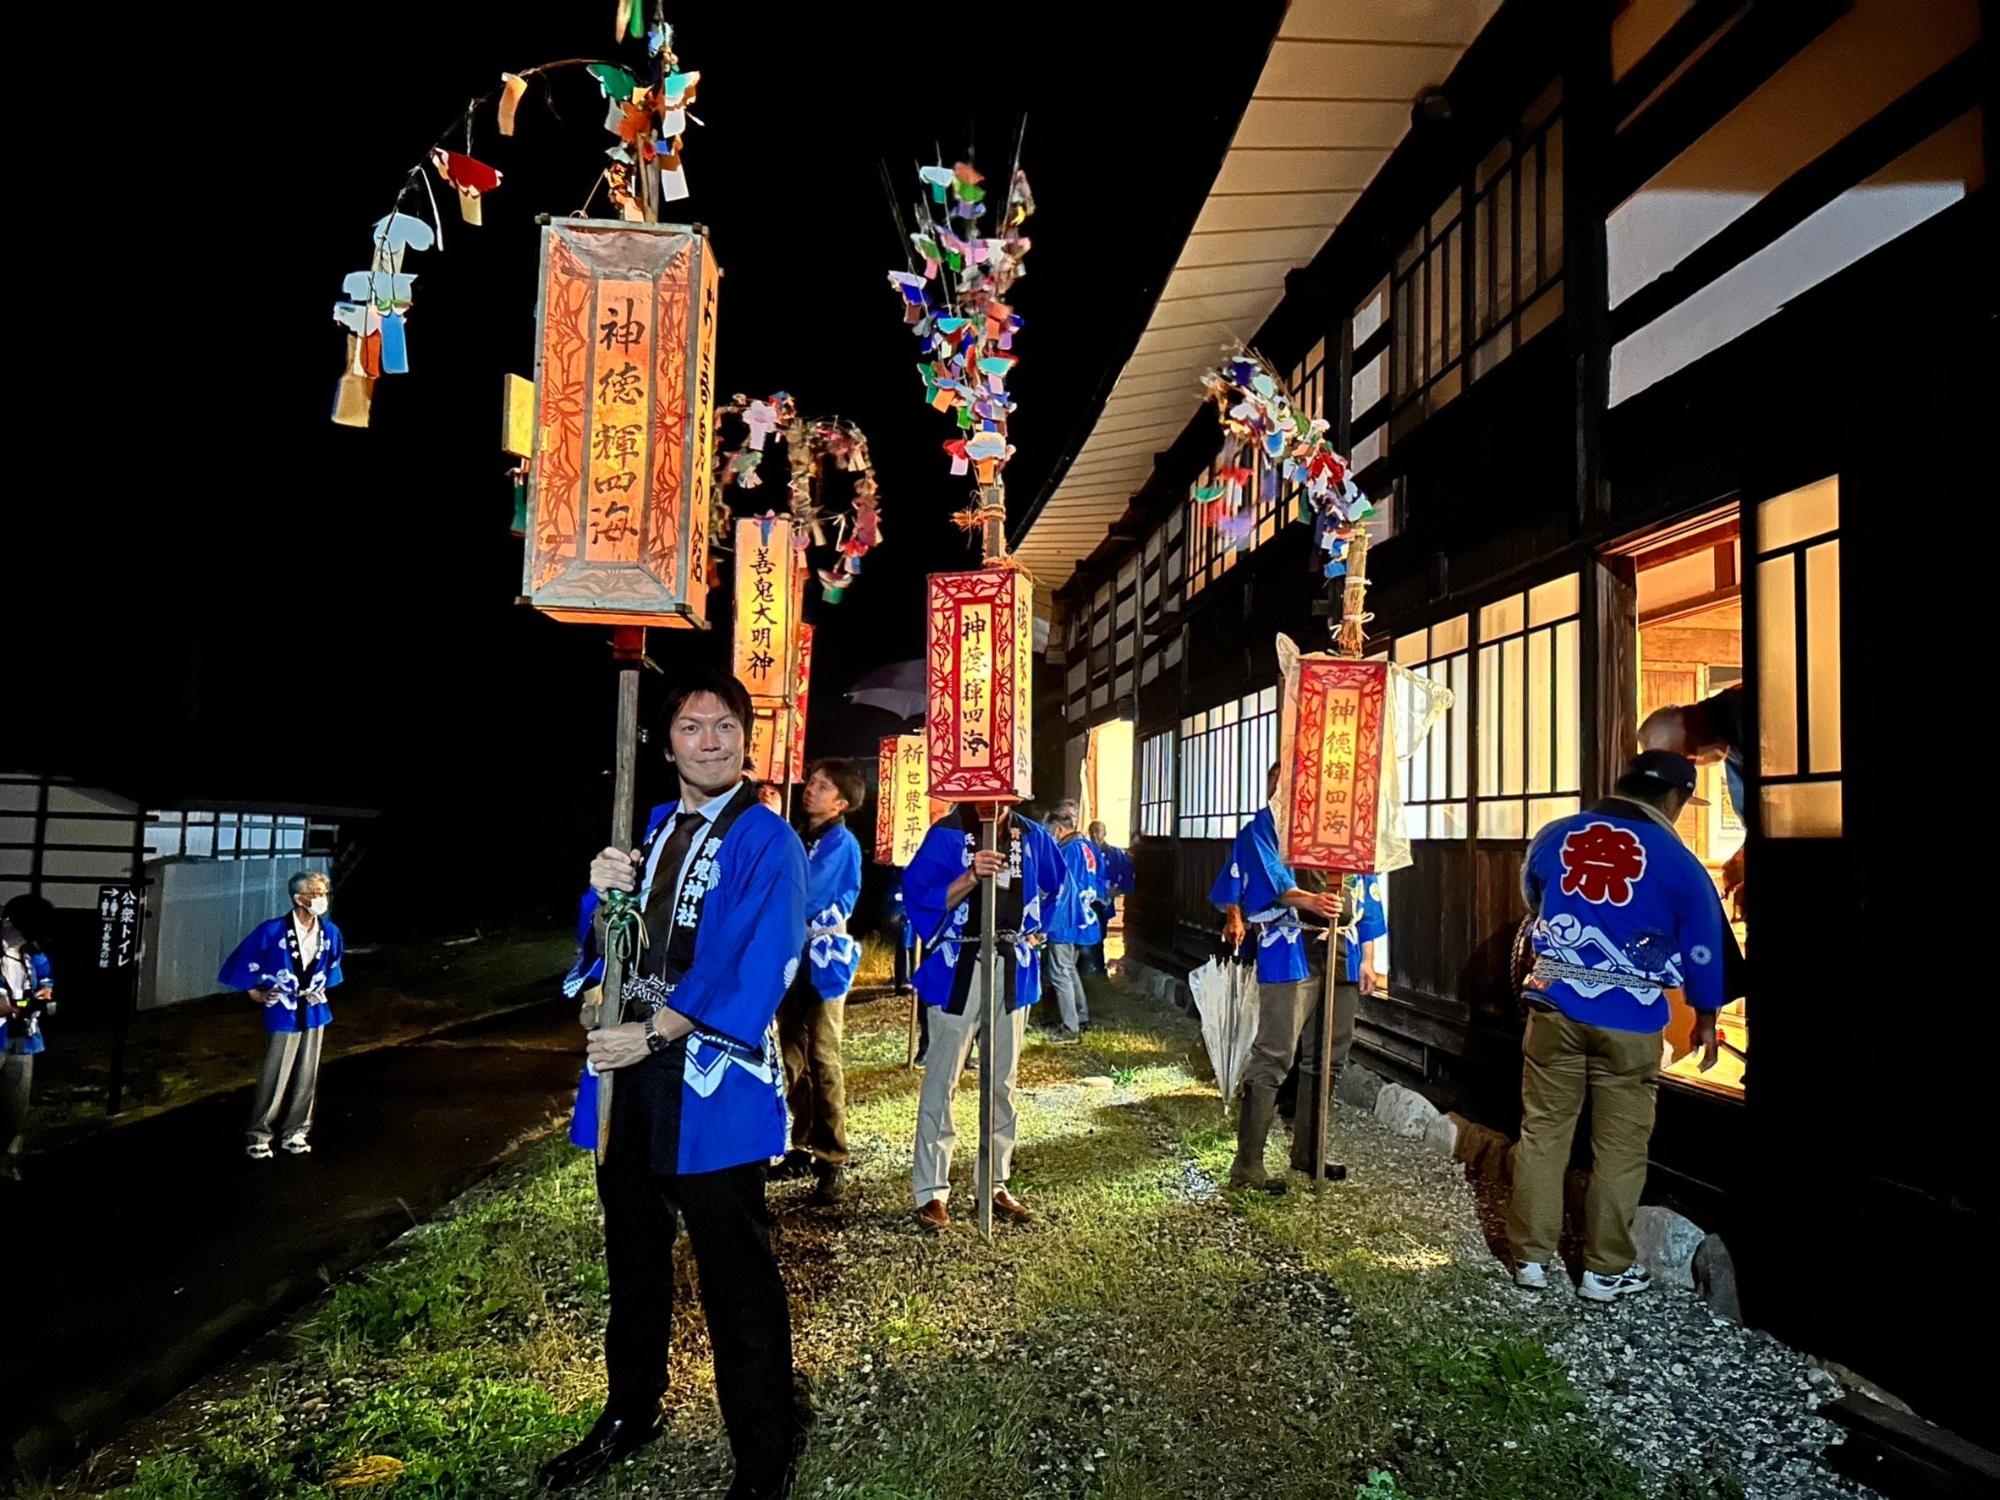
(735, 697)
(846, 780)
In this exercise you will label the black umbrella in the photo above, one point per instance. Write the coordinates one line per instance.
(897, 689)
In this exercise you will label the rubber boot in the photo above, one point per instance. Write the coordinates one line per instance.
(1304, 1123)
(1253, 1128)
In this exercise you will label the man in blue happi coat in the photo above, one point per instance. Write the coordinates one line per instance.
(946, 907)
(1114, 879)
(1624, 913)
(287, 965)
(1257, 887)
(813, 1017)
(27, 995)
(1072, 925)
(698, 1109)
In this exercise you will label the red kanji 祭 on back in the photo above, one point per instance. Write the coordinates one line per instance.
(1602, 862)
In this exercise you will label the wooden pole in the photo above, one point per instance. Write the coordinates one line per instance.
(989, 907)
(1349, 631)
(993, 544)
(916, 1018)
(628, 651)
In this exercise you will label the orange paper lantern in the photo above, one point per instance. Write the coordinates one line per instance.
(1337, 764)
(618, 492)
(980, 694)
(904, 808)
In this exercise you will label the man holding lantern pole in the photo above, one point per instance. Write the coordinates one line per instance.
(939, 890)
(697, 1110)
(1257, 886)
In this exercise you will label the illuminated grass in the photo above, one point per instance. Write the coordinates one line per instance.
(1147, 1336)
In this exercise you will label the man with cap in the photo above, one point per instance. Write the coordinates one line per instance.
(1624, 913)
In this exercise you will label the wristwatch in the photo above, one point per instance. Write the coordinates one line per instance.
(655, 1043)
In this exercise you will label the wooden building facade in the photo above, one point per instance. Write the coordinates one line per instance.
(1663, 338)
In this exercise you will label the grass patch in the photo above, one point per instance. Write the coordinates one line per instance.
(1146, 1337)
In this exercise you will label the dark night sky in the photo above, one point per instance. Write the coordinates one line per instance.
(302, 612)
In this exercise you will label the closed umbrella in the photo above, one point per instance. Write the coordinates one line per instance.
(1225, 997)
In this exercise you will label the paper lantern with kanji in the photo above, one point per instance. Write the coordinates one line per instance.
(767, 569)
(904, 807)
(618, 492)
(1339, 743)
(979, 690)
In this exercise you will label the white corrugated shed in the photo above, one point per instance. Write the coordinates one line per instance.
(1331, 104)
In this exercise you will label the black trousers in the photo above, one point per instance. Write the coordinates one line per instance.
(742, 1296)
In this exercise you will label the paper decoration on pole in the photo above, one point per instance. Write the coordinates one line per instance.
(618, 497)
(647, 122)
(954, 299)
(904, 807)
(814, 448)
(1269, 442)
(980, 695)
(1345, 728)
(375, 315)
(645, 171)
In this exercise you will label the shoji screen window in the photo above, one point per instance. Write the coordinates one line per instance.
(1226, 756)
(1156, 785)
(1798, 662)
(1435, 797)
(1528, 709)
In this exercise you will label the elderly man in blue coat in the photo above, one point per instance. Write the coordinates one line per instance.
(287, 965)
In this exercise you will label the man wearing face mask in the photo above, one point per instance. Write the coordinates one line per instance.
(287, 965)
(697, 1100)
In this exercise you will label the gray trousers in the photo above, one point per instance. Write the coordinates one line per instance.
(284, 1100)
(951, 1039)
(1288, 1028)
(17, 1076)
(1071, 1002)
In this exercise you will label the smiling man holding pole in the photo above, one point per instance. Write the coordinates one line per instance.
(698, 1111)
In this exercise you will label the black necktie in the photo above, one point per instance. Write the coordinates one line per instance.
(659, 913)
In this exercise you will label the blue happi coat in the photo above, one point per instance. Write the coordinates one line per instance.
(1115, 873)
(1624, 912)
(1253, 880)
(1074, 918)
(731, 1104)
(833, 890)
(1369, 916)
(1037, 877)
(24, 1028)
(268, 960)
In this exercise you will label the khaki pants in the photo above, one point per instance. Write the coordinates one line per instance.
(809, 1035)
(285, 1086)
(1564, 1063)
(951, 1040)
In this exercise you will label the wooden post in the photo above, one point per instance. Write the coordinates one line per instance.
(1350, 629)
(916, 1015)
(628, 651)
(989, 906)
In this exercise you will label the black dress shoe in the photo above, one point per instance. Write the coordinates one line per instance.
(796, 1164)
(1335, 1171)
(609, 1441)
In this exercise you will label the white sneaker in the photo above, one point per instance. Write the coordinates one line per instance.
(1532, 1275)
(1595, 1288)
(297, 1146)
(258, 1151)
